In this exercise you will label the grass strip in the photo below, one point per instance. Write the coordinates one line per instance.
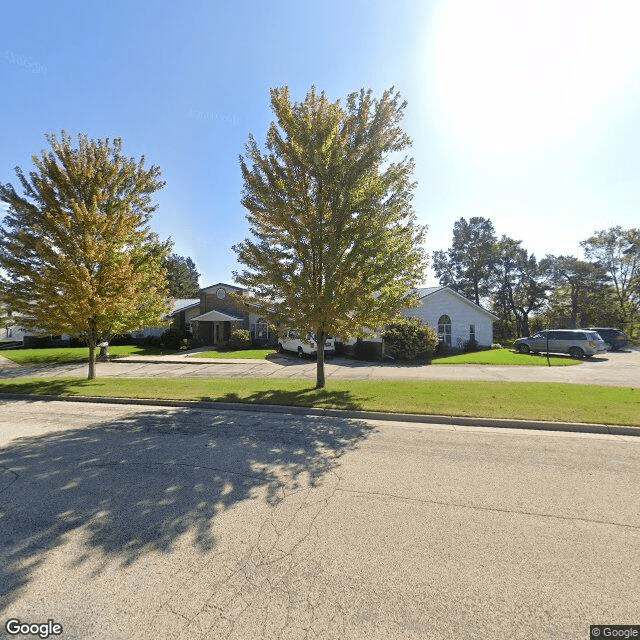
(62, 355)
(506, 357)
(516, 400)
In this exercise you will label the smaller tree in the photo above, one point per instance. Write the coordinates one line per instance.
(76, 249)
(574, 282)
(182, 277)
(520, 289)
(467, 266)
(616, 251)
(407, 339)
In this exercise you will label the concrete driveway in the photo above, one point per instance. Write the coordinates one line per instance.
(126, 522)
(615, 369)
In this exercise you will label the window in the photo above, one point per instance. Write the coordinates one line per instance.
(472, 333)
(444, 330)
(187, 328)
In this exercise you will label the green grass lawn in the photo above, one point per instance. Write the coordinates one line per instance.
(75, 354)
(506, 357)
(252, 354)
(520, 400)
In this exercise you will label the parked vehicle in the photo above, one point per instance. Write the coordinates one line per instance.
(290, 340)
(614, 338)
(578, 343)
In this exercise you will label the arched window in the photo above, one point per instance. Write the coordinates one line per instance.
(444, 329)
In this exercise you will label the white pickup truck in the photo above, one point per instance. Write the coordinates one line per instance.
(290, 340)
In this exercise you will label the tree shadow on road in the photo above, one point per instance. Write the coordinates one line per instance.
(148, 478)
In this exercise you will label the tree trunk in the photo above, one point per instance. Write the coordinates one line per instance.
(574, 307)
(525, 325)
(92, 360)
(320, 340)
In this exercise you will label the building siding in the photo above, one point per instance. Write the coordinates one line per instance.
(463, 314)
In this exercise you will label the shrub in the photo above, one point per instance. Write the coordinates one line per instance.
(37, 342)
(152, 341)
(170, 339)
(240, 339)
(367, 350)
(409, 340)
(341, 349)
(470, 346)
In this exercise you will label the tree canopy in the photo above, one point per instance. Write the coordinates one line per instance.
(182, 277)
(336, 245)
(467, 266)
(519, 288)
(562, 291)
(616, 251)
(76, 249)
(574, 283)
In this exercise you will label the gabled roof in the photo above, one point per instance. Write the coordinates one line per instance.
(213, 287)
(217, 316)
(426, 292)
(182, 304)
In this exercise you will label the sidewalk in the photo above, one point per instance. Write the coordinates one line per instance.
(618, 369)
(5, 363)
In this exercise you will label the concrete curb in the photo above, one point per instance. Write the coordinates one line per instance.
(574, 427)
(190, 361)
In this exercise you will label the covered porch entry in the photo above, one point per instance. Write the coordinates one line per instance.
(214, 328)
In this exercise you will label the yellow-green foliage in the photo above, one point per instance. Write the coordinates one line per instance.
(335, 244)
(76, 248)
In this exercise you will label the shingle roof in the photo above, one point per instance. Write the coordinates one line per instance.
(179, 304)
(216, 316)
(426, 291)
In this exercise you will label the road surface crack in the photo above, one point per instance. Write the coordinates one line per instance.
(473, 507)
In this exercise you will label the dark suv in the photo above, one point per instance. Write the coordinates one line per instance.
(614, 338)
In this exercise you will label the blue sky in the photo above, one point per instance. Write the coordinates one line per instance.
(526, 113)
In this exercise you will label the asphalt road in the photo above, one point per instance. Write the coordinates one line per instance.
(615, 369)
(127, 522)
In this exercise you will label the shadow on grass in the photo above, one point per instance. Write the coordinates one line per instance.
(560, 357)
(49, 358)
(142, 481)
(51, 387)
(321, 398)
(289, 358)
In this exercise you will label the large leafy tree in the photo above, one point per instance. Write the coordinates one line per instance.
(617, 252)
(575, 284)
(520, 288)
(182, 277)
(336, 245)
(76, 250)
(468, 265)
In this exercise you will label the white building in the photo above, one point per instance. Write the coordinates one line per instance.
(456, 318)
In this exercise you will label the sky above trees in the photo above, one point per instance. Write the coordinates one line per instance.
(523, 113)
